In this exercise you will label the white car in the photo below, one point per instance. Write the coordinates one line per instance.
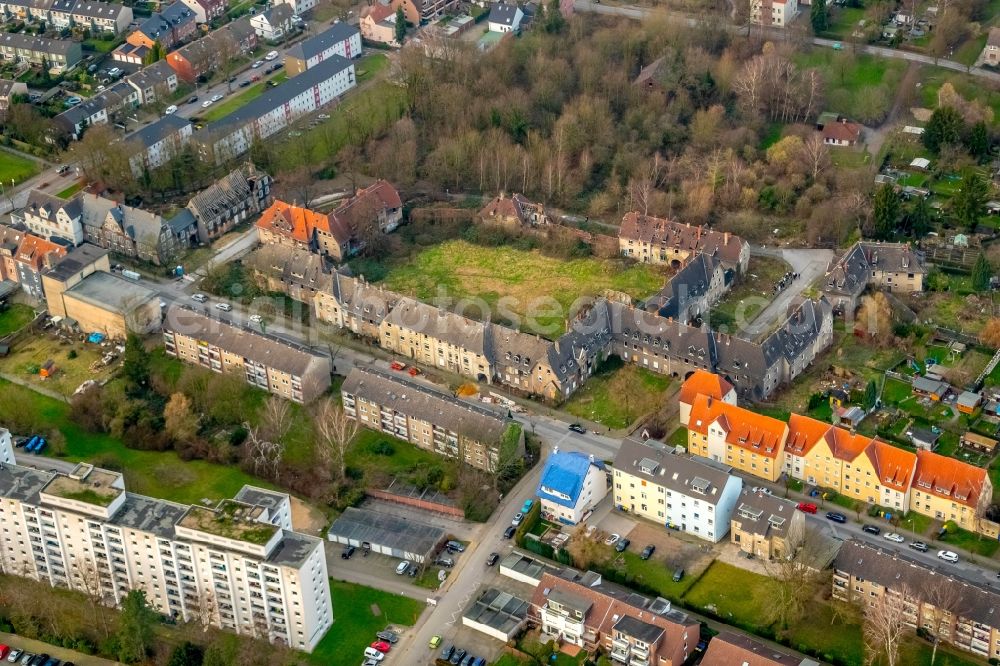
(893, 537)
(170, 109)
(216, 97)
(948, 556)
(271, 55)
(201, 298)
(611, 540)
(256, 319)
(372, 653)
(402, 567)
(225, 307)
(257, 64)
(324, 116)
(518, 517)
(207, 103)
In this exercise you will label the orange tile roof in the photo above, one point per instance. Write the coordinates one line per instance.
(379, 12)
(702, 382)
(803, 434)
(300, 223)
(34, 250)
(949, 478)
(846, 445)
(893, 465)
(748, 430)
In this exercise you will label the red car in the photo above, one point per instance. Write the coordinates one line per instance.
(414, 371)
(807, 507)
(381, 646)
(396, 365)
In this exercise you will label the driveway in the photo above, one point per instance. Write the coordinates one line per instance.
(809, 264)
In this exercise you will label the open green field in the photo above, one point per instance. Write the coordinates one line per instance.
(528, 286)
(238, 100)
(852, 79)
(359, 613)
(370, 452)
(370, 66)
(158, 474)
(617, 394)
(969, 87)
(14, 318)
(13, 166)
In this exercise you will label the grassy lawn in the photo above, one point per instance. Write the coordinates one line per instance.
(850, 158)
(70, 191)
(736, 594)
(895, 392)
(916, 652)
(850, 79)
(16, 167)
(618, 394)
(537, 290)
(365, 454)
(102, 45)
(678, 438)
(158, 474)
(658, 575)
(370, 66)
(843, 21)
(745, 300)
(359, 613)
(236, 101)
(917, 522)
(15, 317)
(967, 86)
(30, 353)
(833, 639)
(972, 542)
(970, 50)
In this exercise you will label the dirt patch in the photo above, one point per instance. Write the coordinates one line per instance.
(307, 519)
(672, 549)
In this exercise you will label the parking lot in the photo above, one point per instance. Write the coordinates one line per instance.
(38, 647)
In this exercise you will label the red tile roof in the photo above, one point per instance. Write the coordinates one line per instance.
(34, 250)
(668, 233)
(300, 223)
(803, 434)
(379, 12)
(842, 131)
(748, 430)
(702, 382)
(373, 199)
(729, 649)
(893, 465)
(949, 478)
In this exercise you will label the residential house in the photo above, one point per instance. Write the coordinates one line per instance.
(655, 482)
(102, 108)
(26, 9)
(586, 611)
(153, 82)
(378, 24)
(661, 241)
(702, 382)
(729, 649)
(98, 17)
(355, 305)
(515, 212)
(8, 89)
(129, 231)
(341, 39)
(979, 443)
(202, 56)
(34, 256)
(70, 270)
(938, 600)
(571, 485)
(418, 12)
(895, 267)
(968, 402)
(773, 13)
(285, 369)
(735, 436)
(991, 51)
(841, 132)
(935, 389)
(106, 303)
(206, 10)
(431, 419)
(372, 210)
(948, 489)
(169, 26)
(275, 110)
(651, 77)
(299, 273)
(274, 23)
(51, 218)
(923, 438)
(765, 526)
(10, 240)
(299, 7)
(505, 17)
(689, 294)
(157, 143)
(241, 194)
(58, 54)
(298, 227)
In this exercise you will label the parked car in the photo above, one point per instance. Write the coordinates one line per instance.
(435, 641)
(919, 545)
(244, 83)
(402, 567)
(893, 537)
(457, 656)
(611, 540)
(948, 556)
(216, 97)
(225, 307)
(257, 64)
(52, 661)
(678, 574)
(39, 659)
(347, 552)
(170, 109)
(577, 428)
(509, 532)
(518, 517)
(324, 116)
(26, 657)
(445, 561)
(392, 637)
(201, 298)
(807, 507)
(447, 651)
(256, 319)
(622, 545)
(372, 653)
(207, 103)
(455, 546)
(271, 55)
(871, 529)
(526, 507)
(836, 516)
(4, 651)
(192, 99)
(469, 658)
(381, 646)
(479, 662)
(648, 551)
(492, 559)
(63, 168)
(14, 655)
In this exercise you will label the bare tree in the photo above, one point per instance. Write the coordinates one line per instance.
(796, 576)
(204, 610)
(885, 624)
(335, 431)
(265, 454)
(815, 154)
(277, 418)
(943, 601)
(87, 579)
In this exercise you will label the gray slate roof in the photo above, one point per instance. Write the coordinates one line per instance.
(151, 76)
(363, 299)
(850, 274)
(454, 329)
(387, 530)
(38, 201)
(636, 628)
(136, 223)
(169, 17)
(72, 263)
(763, 514)
(226, 193)
(152, 134)
(653, 461)
(308, 48)
(503, 13)
(43, 44)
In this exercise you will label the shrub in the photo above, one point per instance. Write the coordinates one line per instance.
(71, 355)
(383, 448)
(238, 436)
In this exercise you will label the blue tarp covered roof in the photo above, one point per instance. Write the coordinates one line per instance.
(564, 473)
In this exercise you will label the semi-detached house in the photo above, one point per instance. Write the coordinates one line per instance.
(58, 54)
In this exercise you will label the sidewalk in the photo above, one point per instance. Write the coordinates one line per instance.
(39, 647)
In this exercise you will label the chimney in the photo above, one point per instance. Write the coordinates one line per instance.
(725, 238)
(555, 449)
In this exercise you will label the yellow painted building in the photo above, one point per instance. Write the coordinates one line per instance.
(749, 442)
(948, 489)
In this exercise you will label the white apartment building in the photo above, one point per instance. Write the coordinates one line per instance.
(777, 13)
(679, 492)
(341, 39)
(50, 217)
(571, 485)
(237, 566)
(6, 447)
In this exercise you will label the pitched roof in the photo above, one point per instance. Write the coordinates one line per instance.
(39, 201)
(98, 10)
(379, 12)
(165, 20)
(504, 206)
(224, 193)
(724, 246)
(136, 223)
(157, 74)
(43, 44)
(702, 382)
(301, 224)
(850, 273)
(894, 466)
(292, 266)
(361, 299)
(167, 126)
(411, 314)
(804, 432)
(729, 649)
(563, 476)
(338, 32)
(357, 210)
(655, 462)
(842, 131)
(949, 478)
(503, 13)
(763, 514)
(35, 251)
(748, 430)
(277, 14)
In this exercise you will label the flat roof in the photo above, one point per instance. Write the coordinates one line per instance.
(22, 483)
(230, 520)
(270, 499)
(77, 259)
(387, 530)
(111, 292)
(94, 488)
(498, 609)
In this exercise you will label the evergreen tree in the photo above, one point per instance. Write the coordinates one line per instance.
(978, 141)
(945, 126)
(871, 394)
(981, 273)
(554, 21)
(919, 218)
(968, 202)
(155, 53)
(135, 629)
(885, 211)
(135, 366)
(186, 654)
(819, 16)
(400, 25)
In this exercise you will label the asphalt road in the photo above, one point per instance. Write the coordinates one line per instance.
(809, 264)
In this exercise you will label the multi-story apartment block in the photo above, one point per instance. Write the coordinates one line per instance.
(134, 232)
(660, 241)
(702, 382)
(58, 54)
(302, 275)
(202, 56)
(157, 143)
(96, 16)
(302, 228)
(290, 371)
(894, 267)
(765, 526)
(156, 81)
(676, 491)
(236, 197)
(356, 305)
(948, 489)
(431, 419)
(735, 436)
(418, 12)
(775, 13)
(276, 109)
(34, 256)
(237, 566)
(341, 39)
(951, 608)
(585, 611)
(571, 485)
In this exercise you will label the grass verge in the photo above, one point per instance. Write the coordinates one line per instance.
(13, 166)
(14, 318)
